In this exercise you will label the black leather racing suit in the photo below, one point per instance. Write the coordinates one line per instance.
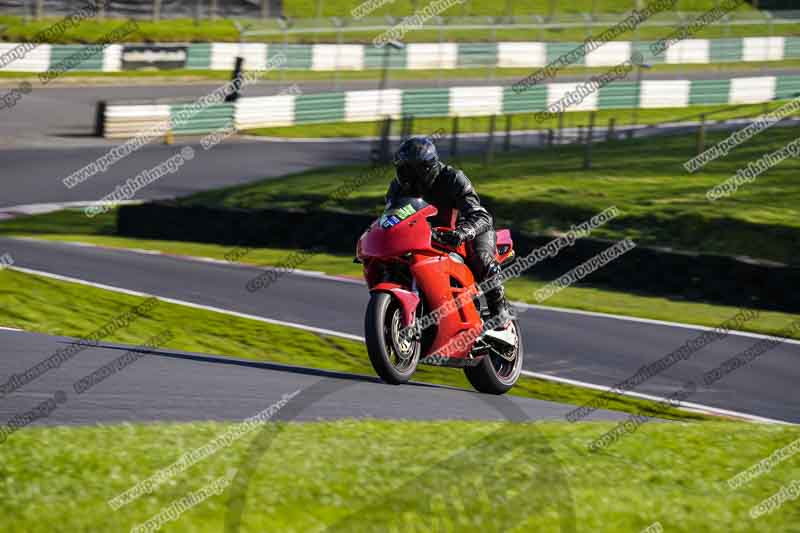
(451, 191)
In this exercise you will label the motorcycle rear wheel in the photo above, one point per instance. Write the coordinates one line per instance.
(494, 374)
(393, 358)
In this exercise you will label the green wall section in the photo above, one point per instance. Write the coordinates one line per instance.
(93, 58)
(426, 102)
(199, 56)
(328, 107)
(618, 94)
(709, 92)
(212, 118)
(374, 57)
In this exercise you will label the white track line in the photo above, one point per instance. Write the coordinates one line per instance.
(683, 405)
(652, 321)
(322, 275)
(311, 329)
(688, 406)
(195, 258)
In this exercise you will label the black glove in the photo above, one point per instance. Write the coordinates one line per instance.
(452, 238)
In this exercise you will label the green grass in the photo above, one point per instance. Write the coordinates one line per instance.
(522, 121)
(546, 190)
(419, 476)
(185, 30)
(646, 33)
(502, 75)
(35, 303)
(307, 8)
(92, 30)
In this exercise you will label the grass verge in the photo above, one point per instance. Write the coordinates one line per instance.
(405, 476)
(545, 191)
(187, 30)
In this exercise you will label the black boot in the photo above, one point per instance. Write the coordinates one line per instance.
(501, 313)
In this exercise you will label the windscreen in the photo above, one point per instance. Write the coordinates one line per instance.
(399, 209)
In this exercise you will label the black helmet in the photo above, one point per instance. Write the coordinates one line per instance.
(417, 163)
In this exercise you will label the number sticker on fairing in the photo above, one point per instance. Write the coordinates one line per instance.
(391, 218)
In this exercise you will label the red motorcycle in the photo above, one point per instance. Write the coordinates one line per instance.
(410, 275)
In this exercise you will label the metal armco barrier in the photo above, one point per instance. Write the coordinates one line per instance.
(415, 56)
(357, 106)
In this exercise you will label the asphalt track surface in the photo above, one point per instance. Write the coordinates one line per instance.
(594, 349)
(174, 386)
(35, 175)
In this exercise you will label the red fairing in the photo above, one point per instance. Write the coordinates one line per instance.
(413, 235)
(408, 300)
(402, 256)
(433, 278)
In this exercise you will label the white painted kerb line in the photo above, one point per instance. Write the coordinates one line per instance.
(684, 405)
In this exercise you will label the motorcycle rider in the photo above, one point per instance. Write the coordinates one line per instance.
(420, 173)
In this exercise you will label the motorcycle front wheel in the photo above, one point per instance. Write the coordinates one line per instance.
(498, 371)
(393, 357)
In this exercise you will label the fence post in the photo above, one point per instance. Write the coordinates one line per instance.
(285, 28)
(493, 67)
(490, 142)
(454, 139)
(610, 132)
(264, 9)
(560, 127)
(213, 9)
(386, 131)
(236, 80)
(587, 154)
(100, 119)
(156, 10)
(408, 127)
(550, 136)
(507, 143)
(440, 22)
(339, 40)
(552, 10)
(39, 9)
(701, 135)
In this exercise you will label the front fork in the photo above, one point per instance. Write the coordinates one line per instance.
(409, 299)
